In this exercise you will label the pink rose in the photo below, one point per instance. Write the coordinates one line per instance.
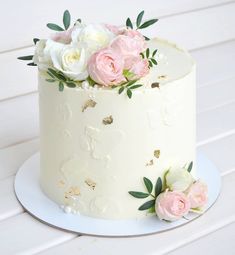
(197, 194)
(137, 36)
(127, 46)
(138, 66)
(63, 36)
(172, 205)
(106, 67)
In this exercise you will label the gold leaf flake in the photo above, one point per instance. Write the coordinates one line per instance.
(73, 191)
(108, 120)
(90, 183)
(150, 163)
(157, 153)
(89, 103)
(155, 85)
(162, 77)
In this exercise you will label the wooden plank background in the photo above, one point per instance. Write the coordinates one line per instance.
(206, 28)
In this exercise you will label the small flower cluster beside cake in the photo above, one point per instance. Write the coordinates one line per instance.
(95, 143)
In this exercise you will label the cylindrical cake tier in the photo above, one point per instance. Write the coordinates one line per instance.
(96, 145)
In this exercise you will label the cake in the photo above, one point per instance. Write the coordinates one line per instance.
(117, 144)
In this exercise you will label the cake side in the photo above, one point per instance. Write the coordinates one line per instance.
(97, 145)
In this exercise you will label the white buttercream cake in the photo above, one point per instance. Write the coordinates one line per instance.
(97, 145)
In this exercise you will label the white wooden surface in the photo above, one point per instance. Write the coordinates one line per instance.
(206, 28)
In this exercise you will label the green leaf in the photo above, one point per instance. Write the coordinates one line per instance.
(136, 86)
(147, 53)
(54, 27)
(129, 23)
(146, 38)
(114, 86)
(152, 210)
(90, 81)
(190, 167)
(128, 74)
(57, 75)
(150, 64)
(79, 20)
(139, 18)
(131, 83)
(66, 19)
(148, 184)
(30, 57)
(137, 194)
(129, 93)
(148, 23)
(154, 53)
(50, 80)
(70, 84)
(147, 205)
(154, 61)
(31, 64)
(158, 187)
(35, 40)
(121, 90)
(50, 74)
(61, 86)
(142, 55)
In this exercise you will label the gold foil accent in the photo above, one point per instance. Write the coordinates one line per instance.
(89, 103)
(162, 77)
(150, 163)
(157, 153)
(73, 191)
(90, 183)
(108, 120)
(155, 85)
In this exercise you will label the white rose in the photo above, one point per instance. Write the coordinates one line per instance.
(178, 179)
(72, 61)
(43, 51)
(93, 36)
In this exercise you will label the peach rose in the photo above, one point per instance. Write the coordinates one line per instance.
(172, 205)
(197, 194)
(106, 67)
(63, 36)
(127, 46)
(138, 66)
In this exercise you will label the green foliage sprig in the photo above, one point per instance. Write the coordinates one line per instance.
(128, 87)
(66, 23)
(151, 57)
(57, 76)
(152, 191)
(139, 24)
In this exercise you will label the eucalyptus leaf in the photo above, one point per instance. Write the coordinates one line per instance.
(66, 19)
(148, 184)
(70, 84)
(147, 205)
(148, 23)
(31, 64)
(61, 86)
(135, 86)
(150, 64)
(154, 61)
(139, 18)
(50, 74)
(56, 74)
(121, 90)
(50, 80)
(158, 187)
(129, 23)
(129, 93)
(154, 53)
(147, 53)
(29, 57)
(190, 167)
(138, 194)
(35, 40)
(54, 27)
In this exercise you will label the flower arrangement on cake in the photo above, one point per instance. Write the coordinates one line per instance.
(101, 55)
(174, 196)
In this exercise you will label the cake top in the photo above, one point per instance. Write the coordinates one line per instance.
(107, 56)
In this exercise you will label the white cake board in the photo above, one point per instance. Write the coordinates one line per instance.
(31, 197)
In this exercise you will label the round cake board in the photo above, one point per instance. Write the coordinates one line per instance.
(32, 198)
